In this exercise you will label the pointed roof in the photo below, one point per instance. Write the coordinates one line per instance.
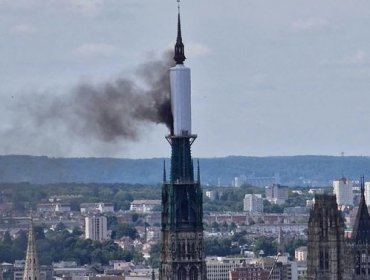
(361, 228)
(179, 46)
(32, 268)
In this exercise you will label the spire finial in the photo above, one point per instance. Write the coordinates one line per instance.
(179, 46)
(362, 186)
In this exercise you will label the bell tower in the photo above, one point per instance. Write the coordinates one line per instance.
(326, 245)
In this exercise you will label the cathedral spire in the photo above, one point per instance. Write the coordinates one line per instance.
(361, 226)
(179, 46)
(31, 269)
(182, 253)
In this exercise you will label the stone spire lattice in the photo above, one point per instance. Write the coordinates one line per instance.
(32, 268)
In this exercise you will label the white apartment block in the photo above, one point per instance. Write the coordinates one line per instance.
(343, 189)
(276, 194)
(218, 267)
(96, 228)
(100, 207)
(300, 254)
(53, 207)
(212, 194)
(367, 193)
(144, 206)
(253, 203)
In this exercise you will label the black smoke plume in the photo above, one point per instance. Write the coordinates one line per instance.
(115, 109)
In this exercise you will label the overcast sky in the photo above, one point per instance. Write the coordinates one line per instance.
(268, 77)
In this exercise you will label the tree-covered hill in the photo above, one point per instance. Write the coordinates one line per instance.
(292, 170)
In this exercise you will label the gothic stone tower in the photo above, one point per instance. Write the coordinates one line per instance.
(325, 259)
(359, 245)
(31, 269)
(182, 255)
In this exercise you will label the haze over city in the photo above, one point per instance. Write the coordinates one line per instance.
(268, 77)
(103, 175)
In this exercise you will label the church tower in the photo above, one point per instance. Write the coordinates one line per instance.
(31, 269)
(182, 254)
(360, 241)
(325, 248)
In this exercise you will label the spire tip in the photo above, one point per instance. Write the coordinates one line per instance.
(179, 46)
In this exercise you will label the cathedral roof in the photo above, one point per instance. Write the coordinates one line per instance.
(361, 228)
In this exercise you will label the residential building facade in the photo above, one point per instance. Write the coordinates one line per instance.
(96, 228)
(253, 203)
(343, 189)
(276, 194)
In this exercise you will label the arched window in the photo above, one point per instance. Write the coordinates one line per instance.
(193, 273)
(181, 274)
(363, 257)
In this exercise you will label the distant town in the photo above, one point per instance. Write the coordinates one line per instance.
(86, 230)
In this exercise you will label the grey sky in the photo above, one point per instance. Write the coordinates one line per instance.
(268, 77)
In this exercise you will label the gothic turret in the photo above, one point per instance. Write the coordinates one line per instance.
(361, 227)
(359, 244)
(31, 269)
(325, 246)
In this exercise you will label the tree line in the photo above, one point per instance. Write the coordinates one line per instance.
(63, 245)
